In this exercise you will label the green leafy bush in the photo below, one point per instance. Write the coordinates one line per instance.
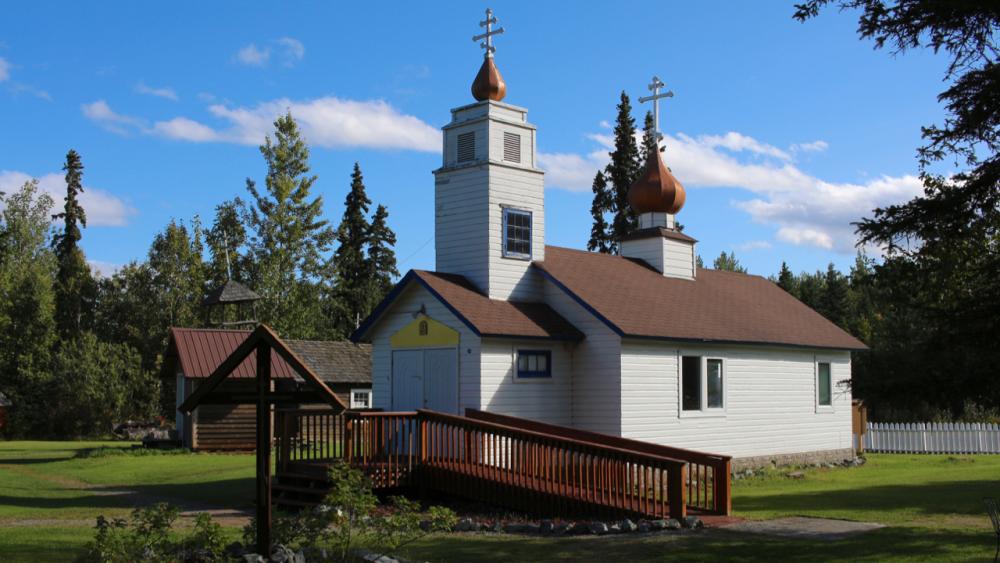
(147, 536)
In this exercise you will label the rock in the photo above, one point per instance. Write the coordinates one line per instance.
(282, 554)
(560, 529)
(615, 529)
(465, 525)
(658, 524)
(796, 475)
(545, 527)
(532, 528)
(253, 558)
(496, 527)
(579, 528)
(515, 528)
(235, 550)
(627, 525)
(643, 528)
(673, 524)
(598, 528)
(693, 522)
(300, 556)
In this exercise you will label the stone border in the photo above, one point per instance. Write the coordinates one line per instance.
(805, 458)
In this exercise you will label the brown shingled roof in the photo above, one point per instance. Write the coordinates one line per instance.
(199, 351)
(636, 300)
(484, 316)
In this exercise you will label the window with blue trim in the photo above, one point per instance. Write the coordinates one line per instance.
(516, 233)
(534, 363)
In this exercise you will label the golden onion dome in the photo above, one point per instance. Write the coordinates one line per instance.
(489, 85)
(656, 190)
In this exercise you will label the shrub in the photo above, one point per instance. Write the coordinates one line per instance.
(147, 536)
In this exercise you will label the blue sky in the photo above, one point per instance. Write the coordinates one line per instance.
(782, 132)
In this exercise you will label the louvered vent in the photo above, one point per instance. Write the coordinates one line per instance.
(467, 146)
(511, 147)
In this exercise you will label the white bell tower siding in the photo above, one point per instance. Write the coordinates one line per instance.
(488, 178)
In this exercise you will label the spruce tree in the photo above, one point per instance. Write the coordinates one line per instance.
(381, 258)
(74, 284)
(289, 238)
(353, 271)
(728, 263)
(786, 279)
(600, 237)
(649, 141)
(835, 301)
(622, 171)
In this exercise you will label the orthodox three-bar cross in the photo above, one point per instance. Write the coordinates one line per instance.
(490, 32)
(654, 87)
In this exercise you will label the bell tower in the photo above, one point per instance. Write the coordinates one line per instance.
(489, 197)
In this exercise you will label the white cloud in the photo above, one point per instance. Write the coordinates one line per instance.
(18, 87)
(103, 208)
(101, 113)
(165, 93)
(815, 146)
(327, 122)
(804, 209)
(103, 269)
(294, 50)
(4, 69)
(252, 56)
(753, 245)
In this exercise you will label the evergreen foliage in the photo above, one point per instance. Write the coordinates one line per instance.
(649, 141)
(288, 238)
(600, 235)
(728, 263)
(786, 279)
(226, 240)
(623, 169)
(74, 285)
(354, 276)
(381, 258)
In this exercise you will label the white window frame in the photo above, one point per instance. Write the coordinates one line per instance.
(833, 385)
(503, 233)
(705, 411)
(364, 390)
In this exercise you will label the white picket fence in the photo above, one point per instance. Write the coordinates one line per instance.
(933, 438)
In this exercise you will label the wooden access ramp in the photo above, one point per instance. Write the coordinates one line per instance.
(520, 464)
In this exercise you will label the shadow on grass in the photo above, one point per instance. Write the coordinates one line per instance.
(888, 544)
(235, 494)
(931, 499)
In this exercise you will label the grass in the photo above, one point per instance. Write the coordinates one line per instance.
(51, 492)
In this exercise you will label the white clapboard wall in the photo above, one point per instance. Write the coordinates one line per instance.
(933, 438)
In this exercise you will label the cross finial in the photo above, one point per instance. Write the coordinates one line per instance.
(490, 32)
(654, 87)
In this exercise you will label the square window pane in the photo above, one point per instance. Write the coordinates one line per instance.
(522, 363)
(691, 383)
(825, 394)
(714, 384)
(542, 363)
(532, 363)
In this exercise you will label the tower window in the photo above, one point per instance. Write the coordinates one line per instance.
(511, 147)
(516, 233)
(467, 146)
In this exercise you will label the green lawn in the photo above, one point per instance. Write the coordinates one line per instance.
(49, 497)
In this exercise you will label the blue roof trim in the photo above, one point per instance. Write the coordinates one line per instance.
(581, 302)
(359, 333)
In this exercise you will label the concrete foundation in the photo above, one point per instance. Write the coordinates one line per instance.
(804, 458)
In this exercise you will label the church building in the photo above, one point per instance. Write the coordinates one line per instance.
(645, 345)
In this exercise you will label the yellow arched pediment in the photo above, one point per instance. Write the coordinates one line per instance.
(424, 332)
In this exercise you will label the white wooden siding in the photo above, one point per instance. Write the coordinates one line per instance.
(399, 315)
(770, 402)
(672, 258)
(596, 389)
(461, 209)
(545, 399)
(511, 278)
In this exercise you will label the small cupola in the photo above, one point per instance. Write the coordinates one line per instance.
(655, 198)
(489, 85)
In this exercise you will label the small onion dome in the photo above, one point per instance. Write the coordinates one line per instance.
(489, 85)
(656, 190)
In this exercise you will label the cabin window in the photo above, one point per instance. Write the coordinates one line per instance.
(516, 233)
(702, 384)
(361, 398)
(467, 146)
(824, 385)
(511, 147)
(534, 363)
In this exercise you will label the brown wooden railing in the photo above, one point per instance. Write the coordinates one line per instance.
(521, 464)
(709, 475)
